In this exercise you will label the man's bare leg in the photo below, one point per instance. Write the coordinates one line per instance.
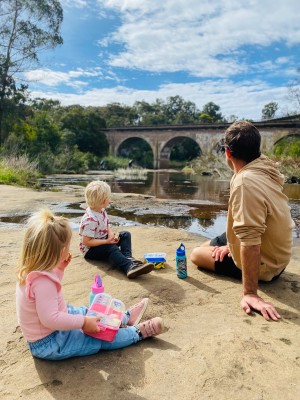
(202, 256)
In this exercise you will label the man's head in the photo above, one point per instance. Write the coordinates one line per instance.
(242, 139)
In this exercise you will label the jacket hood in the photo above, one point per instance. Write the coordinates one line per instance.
(35, 274)
(264, 165)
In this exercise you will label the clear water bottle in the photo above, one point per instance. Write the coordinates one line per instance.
(97, 287)
(181, 267)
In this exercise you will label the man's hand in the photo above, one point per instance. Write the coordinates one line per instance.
(219, 252)
(254, 302)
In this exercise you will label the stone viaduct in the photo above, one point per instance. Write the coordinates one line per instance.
(161, 138)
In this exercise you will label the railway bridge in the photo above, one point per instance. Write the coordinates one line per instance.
(162, 138)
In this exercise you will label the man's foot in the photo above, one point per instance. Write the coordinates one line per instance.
(152, 327)
(137, 311)
(139, 268)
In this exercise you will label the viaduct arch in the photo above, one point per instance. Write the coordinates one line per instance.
(161, 138)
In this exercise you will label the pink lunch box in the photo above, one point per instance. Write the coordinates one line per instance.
(111, 312)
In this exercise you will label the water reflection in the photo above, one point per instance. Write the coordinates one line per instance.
(175, 185)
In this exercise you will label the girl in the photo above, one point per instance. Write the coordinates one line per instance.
(53, 329)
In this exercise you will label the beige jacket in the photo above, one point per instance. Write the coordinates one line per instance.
(258, 213)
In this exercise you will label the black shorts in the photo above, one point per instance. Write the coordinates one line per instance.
(227, 267)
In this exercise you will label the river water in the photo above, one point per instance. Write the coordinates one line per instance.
(206, 197)
(195, 203)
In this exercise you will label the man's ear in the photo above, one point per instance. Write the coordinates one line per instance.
(227, 152)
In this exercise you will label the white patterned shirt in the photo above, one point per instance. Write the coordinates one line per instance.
(94, 225)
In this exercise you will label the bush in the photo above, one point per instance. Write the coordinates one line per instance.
(112, 163)
(288, 166)
(18, 171)
(213, 164)
(69, 161)
(72, 161)
(288, 147)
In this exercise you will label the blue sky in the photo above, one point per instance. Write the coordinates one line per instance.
(239, 54)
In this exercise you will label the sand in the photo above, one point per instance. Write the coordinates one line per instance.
(211, 351)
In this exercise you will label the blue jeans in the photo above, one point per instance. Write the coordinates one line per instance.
(117, 255)
(60, 345)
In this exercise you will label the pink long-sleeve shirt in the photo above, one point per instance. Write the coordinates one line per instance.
(41, 308)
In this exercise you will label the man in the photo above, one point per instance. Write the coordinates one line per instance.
(258, 240)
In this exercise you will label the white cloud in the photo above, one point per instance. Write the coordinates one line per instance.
(245, 99)
(204, 37)
(55, 78)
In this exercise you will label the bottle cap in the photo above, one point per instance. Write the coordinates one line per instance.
(181, 250)
(97, 286)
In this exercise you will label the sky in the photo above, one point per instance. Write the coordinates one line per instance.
(240, 54)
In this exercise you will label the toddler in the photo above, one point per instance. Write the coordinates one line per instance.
(97, 239)
(52, 328)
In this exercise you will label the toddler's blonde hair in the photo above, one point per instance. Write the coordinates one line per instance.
(96, 192)
(45, 237)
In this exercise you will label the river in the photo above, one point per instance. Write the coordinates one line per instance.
(206, 195)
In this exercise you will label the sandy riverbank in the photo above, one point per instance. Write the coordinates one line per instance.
(211, 351)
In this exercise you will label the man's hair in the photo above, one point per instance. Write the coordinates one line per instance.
(96, 192)
(243, 141)
(45, 237)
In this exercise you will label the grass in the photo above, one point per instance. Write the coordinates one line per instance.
(18, 171)
(132, 173)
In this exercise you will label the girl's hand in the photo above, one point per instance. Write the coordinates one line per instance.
(90, 325)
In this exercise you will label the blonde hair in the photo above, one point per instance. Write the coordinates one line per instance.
(45, 237)
(96, 192)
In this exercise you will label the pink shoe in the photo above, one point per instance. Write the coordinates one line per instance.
(152, 327)
(137, 311)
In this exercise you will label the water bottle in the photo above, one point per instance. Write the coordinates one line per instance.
(97, 287)
(181, 262)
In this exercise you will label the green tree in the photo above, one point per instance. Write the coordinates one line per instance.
(15, 108)
(26, 28)
(116, 114)
(269, 110)
(39, 134)
(48, 136)
(180, 111)
(206, 118)
(84, 128)
(175, 110)
(213, 110)
(150, 114)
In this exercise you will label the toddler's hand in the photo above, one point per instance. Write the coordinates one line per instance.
(90, 325)
(111, 240)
